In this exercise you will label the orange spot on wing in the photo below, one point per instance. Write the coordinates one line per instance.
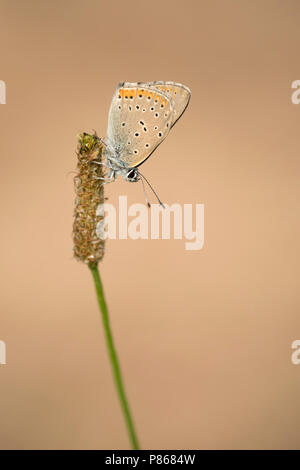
(168, 89)
(141, 92)
(132, 93)
(129, 92)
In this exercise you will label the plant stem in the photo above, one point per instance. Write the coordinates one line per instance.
(113, 356)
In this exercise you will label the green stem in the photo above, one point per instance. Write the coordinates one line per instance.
(113, 356)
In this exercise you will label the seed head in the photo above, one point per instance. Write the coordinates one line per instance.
(88, 247)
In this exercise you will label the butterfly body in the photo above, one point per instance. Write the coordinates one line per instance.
(140, 118)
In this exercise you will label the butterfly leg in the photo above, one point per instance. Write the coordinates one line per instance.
(101, 163)
(111, 176)
(102, 142)
(109, 179)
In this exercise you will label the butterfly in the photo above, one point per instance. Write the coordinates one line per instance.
(141, 116)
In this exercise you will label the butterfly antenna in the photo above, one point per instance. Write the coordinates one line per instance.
(146, 197)
(151, 190)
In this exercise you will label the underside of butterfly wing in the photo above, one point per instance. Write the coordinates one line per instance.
(140, 118)
(178, 93)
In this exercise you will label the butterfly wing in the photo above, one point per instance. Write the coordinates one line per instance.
(179, 94)
(140, 118)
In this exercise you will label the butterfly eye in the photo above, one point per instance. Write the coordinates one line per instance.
(132, 173)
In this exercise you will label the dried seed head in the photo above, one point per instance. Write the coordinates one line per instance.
(89, 194)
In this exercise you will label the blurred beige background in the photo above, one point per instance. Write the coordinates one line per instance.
(204, 337)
